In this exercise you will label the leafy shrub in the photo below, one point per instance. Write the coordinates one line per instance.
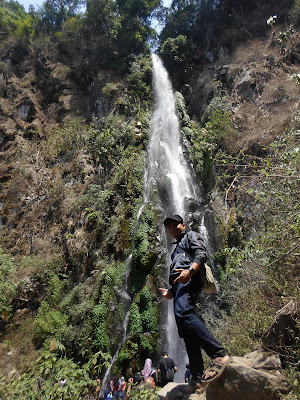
(218, 103)
(139, 78)
(7, 286)
(143, 313)
(181, 109)
(49, 369)
(50, 323)
(135, 322)
(42, 267)
(145, 395)
(55, 290)
(102, 339)
(102, 317)
(111, 89)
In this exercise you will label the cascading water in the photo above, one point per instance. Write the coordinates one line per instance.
(168, 184)
(168, 177)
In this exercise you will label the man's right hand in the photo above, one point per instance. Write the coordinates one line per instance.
(165, 293)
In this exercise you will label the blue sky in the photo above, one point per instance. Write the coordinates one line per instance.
(36, 3)
(26, 3)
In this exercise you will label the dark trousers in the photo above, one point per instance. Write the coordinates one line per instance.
(195, 334)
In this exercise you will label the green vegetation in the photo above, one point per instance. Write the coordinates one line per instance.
(7, 287)
(144, 253)
(263, 270)
(144, 395)
(49, 369)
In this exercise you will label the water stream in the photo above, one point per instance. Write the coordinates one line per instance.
(169, 176)
(169, 186)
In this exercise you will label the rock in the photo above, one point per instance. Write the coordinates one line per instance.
(280, 333)
(264, 360)
(256, 376)
(29, 294)
(245, 86)
(19, 316)
(209, 56)
(243, 379)
(166, 389)
(175, 391)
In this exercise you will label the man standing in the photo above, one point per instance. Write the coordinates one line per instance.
(166, 369)
(188, 257)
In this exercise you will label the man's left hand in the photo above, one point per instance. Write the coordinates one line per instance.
(184, 277)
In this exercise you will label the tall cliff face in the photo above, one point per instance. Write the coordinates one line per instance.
(246, 156)
(73, 144)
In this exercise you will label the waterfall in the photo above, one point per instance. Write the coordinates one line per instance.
(168, 177)
(168, 184)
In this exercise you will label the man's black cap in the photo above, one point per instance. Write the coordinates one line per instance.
(176, 218)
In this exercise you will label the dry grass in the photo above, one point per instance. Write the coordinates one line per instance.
(17, 351)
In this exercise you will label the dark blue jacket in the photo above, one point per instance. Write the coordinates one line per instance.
(189, 248)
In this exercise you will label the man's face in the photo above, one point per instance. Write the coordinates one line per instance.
(175, 228)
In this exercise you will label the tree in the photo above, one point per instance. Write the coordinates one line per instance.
(135, 21)
(102, 17)
(11, 16)
(54, 12)
(180, 18)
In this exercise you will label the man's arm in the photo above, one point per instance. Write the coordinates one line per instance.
(158, 375)
(186, 274)
(197, 250)
(166, 293)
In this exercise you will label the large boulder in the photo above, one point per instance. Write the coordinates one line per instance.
(284, 328)
(257, 375)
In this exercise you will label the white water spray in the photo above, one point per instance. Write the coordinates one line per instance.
(168, 175)
(167, 180)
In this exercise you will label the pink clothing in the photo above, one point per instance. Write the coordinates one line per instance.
(147, 371)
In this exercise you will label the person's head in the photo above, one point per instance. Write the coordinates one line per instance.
(164, 354)
(147, 370)
(174, 225)
(148, 363)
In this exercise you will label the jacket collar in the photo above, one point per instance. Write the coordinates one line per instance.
(180, 237)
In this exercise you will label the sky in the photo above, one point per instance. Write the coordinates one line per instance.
(36, 3)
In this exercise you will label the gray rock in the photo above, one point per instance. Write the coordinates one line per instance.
(166, 389)
(242, 381)
(279, 333)
(245, 86)
(256, 376)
